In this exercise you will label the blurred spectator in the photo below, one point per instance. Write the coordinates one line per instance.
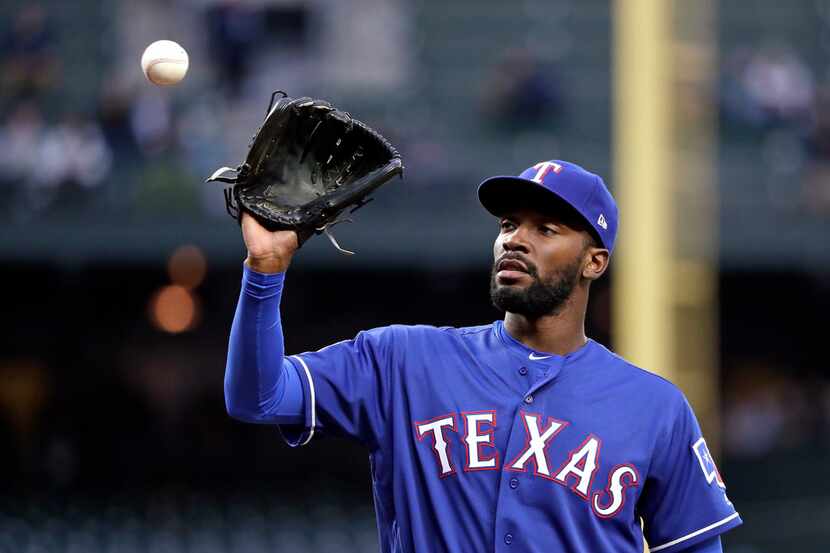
(361, 45)
(815, 192)
(780, 85)
(522, 92)
(73, 155)
(818, 135)
(764, 410)
(151, 122)
(816, 184)
(114, 107)
(29, 62)
(40, 163)
(20, 140)
(735, 103)
(234, 29)
(771, 87)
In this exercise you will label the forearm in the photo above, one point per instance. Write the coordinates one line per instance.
(260, 385)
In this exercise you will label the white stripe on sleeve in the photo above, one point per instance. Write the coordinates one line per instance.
(313, 404)
(695, 533)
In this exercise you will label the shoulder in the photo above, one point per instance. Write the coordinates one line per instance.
(651, 400)
(409, 333)
(649, 386)
(409, 341)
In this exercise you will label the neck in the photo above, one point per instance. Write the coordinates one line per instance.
(559, 333)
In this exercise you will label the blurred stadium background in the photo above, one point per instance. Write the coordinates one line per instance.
(121, 270)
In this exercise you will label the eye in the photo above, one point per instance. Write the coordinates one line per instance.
(547, 230)
(506, 225)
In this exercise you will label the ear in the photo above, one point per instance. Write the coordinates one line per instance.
(596, 262)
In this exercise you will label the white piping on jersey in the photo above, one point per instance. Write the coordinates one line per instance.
(311, 393)
(693, 534)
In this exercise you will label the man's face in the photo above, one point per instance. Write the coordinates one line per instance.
(538, 262)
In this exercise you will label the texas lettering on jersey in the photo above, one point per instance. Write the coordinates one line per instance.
(575, 472)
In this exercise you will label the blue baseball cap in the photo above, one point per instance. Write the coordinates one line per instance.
(551, 180)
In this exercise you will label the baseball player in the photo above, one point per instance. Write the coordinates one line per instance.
(522, 435)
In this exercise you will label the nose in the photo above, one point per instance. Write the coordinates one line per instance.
(516, 240)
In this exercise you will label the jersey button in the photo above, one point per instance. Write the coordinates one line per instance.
(508, 539)
(529, 400)
(522, 371)
(514, 483)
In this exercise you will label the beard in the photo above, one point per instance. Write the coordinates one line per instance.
(542, 297)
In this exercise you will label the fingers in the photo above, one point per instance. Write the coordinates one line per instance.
(247, 219)
(293, 239)
(250, 224)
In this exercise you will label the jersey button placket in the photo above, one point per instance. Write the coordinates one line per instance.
(529, 399)
(510, 492)
(523, 371)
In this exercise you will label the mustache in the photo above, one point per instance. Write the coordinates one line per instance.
(531, 267)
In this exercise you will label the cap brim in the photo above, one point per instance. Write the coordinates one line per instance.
(502, 194)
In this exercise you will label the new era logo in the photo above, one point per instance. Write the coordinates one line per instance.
(602, 222)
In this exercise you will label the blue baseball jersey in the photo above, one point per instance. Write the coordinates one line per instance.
(478, 443)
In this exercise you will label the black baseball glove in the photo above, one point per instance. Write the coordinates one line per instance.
(306, 165)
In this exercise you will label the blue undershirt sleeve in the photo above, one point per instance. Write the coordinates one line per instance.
(261, 386)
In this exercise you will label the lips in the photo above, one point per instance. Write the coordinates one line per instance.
(511, 265)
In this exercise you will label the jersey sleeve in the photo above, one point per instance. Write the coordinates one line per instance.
(684, 500)
(711, 545)
(345, 388)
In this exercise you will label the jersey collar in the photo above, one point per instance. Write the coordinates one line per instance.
(532, 356)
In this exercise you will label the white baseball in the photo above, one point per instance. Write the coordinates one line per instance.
(164, 62)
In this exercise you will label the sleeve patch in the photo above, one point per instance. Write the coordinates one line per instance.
(707, 463)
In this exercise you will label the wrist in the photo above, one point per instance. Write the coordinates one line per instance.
(261, 286)
(267, 265)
